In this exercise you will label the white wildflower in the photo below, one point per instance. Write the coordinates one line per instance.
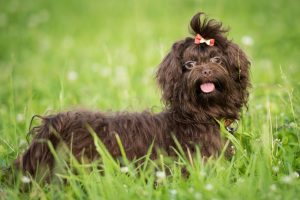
(72, 75)
(275, 169)
(105, 71)
(293, 125)
(95, 67)
(287, 179)
(161, 176)
(173, 192)
(265, 63)
(277, 140)
(44, 43)
(198, 195)
(68, 42)
(145, 80)
(291, 177)
(124, 169)
(121, 75)
(22, 142)
(295, 175)
(258, 106)
(209, 187)
(25, 179)
(240, 180)
(247, 40)
(273, 187)
(20, 117)
(191, 190)
(38, 18)
(202, 173)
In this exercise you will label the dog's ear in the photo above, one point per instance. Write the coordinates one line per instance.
(169, 73)
(239, 62)
(239, 66)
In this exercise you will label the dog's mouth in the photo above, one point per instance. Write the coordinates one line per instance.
(207, 87)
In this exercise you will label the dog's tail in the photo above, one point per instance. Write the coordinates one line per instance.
(38, 156)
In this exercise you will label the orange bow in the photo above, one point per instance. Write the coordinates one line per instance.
(199, 39)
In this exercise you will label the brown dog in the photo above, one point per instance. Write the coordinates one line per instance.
(204, 78)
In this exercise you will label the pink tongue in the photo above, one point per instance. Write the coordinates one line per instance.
(207, 87)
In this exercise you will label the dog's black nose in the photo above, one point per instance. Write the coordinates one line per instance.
(206, 72)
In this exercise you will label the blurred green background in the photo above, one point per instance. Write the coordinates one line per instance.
(102, 55)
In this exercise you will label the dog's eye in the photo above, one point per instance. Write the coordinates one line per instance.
(189, 64)
(216, 59)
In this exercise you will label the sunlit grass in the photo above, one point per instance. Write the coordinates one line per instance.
(103, 55)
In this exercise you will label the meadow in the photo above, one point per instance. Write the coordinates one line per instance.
(103, 55)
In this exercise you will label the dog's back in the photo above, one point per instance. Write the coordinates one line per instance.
(74, 129)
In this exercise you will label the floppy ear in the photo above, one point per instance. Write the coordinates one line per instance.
(169, 73)
(238, 61)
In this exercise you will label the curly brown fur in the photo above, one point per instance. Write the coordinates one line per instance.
(190, 114)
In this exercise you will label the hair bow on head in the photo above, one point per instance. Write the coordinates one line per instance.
(199, 39)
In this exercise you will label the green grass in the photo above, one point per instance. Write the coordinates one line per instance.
(103, 54)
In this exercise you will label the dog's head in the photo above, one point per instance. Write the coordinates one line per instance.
(206, 73)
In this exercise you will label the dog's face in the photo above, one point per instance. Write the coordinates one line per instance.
(196, 77)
